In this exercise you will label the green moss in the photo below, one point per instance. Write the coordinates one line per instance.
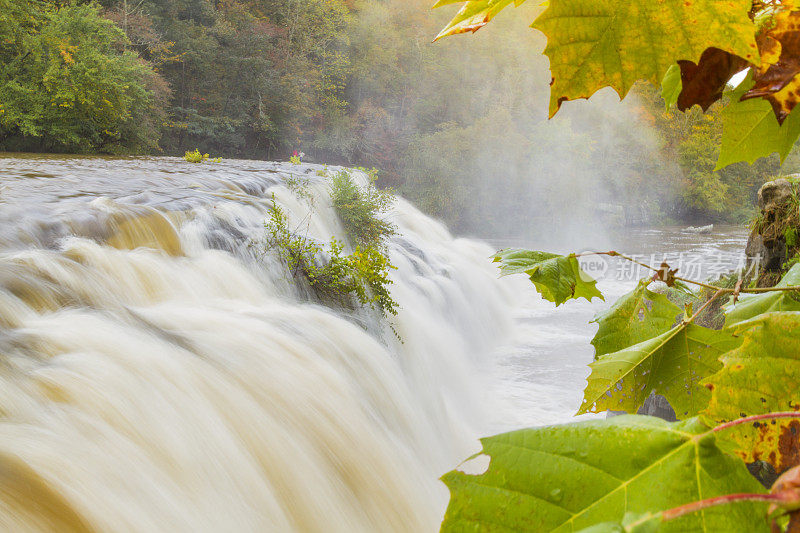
(790, 236)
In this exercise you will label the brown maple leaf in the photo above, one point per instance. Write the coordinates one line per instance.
(665, 274)
(776, 80)
(704, 82)
(788, 488)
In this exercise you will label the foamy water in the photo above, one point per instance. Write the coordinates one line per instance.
(160, 374)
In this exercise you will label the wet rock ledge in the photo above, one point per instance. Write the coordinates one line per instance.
(775, 235)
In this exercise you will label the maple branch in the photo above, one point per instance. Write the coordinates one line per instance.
(772, 289)
(781, 499)
(654, 269)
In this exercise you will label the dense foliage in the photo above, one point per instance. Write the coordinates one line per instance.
(75, 87)
(616, 43)
(728, 386)
(693, 139)
(360, 278)
(457, 131)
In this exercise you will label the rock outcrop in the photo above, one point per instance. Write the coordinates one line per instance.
(767, 245)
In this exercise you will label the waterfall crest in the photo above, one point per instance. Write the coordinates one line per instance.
(159, 373)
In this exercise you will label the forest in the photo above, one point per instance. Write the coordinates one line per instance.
(361, 83)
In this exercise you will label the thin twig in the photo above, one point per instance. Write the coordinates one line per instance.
(755, 418)
(771, 289)
(719, 293)
(654, 269)
(693, 282)
(693, 507)
(737, 288)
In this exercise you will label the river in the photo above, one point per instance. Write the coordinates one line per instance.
(161, 373)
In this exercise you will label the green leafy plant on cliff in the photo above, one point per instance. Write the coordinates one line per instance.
(359, 278)
(362, 209)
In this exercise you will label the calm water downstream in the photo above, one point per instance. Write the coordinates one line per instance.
(160, 372)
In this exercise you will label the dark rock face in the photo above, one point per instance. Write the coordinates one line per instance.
(654, 405)
(755, 246)
(658, 406)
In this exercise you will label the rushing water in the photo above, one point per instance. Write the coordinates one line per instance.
(158, 372)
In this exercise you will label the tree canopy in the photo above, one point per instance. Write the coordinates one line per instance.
(615, 43)
(70, 83)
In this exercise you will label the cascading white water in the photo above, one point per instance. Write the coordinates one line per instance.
(158, 373)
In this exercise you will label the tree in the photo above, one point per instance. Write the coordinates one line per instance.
(69, 85)
(705, 193)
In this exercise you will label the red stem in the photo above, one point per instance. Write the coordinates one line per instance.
(755, 418)
(693, 507)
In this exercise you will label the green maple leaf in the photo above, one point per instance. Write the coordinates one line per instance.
(519, 261)
(473, 15)
(635, 317)
(671, 86)
(558, 278)
(751, 131)
(575, 476)
(752, 306)
(599, 43)
(759, 377)
(672, 364)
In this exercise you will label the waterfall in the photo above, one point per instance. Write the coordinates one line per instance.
(160, 372)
